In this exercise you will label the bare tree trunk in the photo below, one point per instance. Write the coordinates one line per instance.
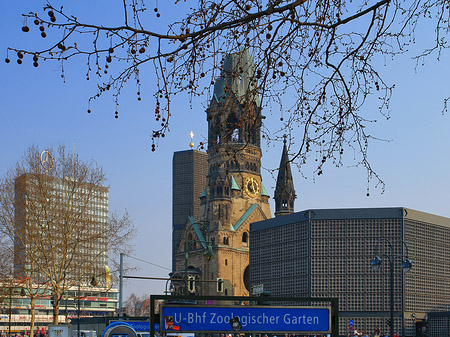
(33, 314)
(54, 205)
(56, 300)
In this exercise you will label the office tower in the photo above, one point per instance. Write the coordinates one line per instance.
(189, 170)
(64, 223)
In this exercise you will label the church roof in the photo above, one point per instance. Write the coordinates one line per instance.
(284, 178)
(236, 78)
(264, 191)
(234, 185)
(244, 216)
(284, 190)
(197, 231)
(203, 193)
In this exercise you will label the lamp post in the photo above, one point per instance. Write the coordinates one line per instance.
(121, 287)
(173, 278)
(93, 283)
(10, 310)
(208, 254)
(406, 266)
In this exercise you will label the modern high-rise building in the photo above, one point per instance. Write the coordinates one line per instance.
(61, 234)
(328, 252)
(189, 171)
(61, 229)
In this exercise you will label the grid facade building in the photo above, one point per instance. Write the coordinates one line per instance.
(327, 253)
(439, 324)
(61, 219)
(189, 174)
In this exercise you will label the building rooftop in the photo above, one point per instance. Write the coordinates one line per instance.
(350, 214)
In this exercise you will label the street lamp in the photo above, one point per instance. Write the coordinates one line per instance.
(10, 309)
(173, 279)
(406, 266)
(208, 253)
(94, 284)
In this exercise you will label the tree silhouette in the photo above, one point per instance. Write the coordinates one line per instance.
(55, 220)
(315, 61)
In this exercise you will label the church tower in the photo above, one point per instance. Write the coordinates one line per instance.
(284, 191)
(234, 195)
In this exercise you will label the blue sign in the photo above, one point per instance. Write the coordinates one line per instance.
(350, 322)
(137, 325)
(252, 319)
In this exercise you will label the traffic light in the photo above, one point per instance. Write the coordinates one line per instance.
(191, 284)
(265, 293)
(219, 285)
(52, 300)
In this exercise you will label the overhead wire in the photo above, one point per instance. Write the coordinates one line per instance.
(148, 262)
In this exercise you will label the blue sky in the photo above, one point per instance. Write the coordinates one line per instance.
(38, 108)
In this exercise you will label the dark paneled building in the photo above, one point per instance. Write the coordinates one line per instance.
(328, 253)
(189, 171)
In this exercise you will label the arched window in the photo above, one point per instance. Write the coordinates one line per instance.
(245, 237)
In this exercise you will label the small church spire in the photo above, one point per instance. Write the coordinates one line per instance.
(284, 191)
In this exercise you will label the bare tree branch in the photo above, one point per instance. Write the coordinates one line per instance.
(56, 221)
(315, 61)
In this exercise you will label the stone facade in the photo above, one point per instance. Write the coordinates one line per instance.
(234, 195)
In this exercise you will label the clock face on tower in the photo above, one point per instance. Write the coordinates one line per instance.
(251, 187)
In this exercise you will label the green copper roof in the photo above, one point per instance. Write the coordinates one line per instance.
(264, 191)
(203, 193)
(236, 78)
(234, 185)
(197, 231)
(244, 216)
